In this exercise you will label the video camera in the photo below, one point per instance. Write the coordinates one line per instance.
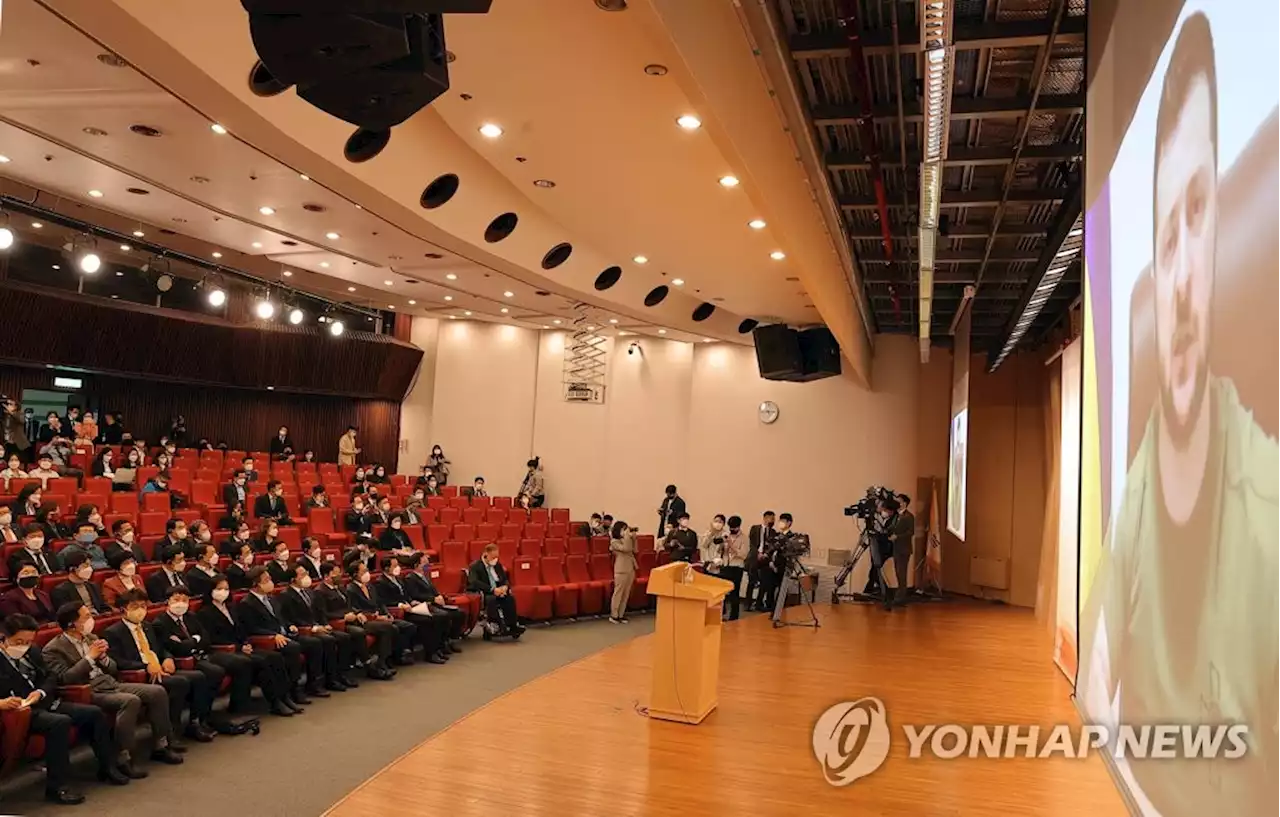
(868, 508)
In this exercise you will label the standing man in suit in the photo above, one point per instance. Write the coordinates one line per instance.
(171, 574)
(77, 656)
(184, 636)
(237, 490)
(420, 588)
(670, 510)
(136, 645)
(902, 536)
(759, 538)
(261, 615)
(332, 605)
(347, 449)
(296, 607)
(25, 682)
(487, 576)
(78, 588)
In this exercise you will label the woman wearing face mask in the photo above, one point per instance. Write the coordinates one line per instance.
(438, 465)
(104, 465)
(27, 598)
(622, 544)
(126, 578)
(238, 570)
(308, 456)
(164, 461)
(49, 518)
(29, 501)
(431, 487)
(239, 537)
(13, 470)
(134, 458)
(394, 538)
(377, 475)
(218, 617)
(359, 477)
(268, 535)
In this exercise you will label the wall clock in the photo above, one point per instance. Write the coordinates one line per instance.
(768, 412)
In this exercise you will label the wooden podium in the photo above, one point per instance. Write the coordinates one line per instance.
(686, 642)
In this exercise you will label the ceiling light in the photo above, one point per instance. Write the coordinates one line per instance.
(287, 273)
(412, 302)
(391, 306)
(37, 225)
(662, 331)
(448, 297)
(351, 289)
(119, 273)
(728, 181)
(267, 211)
(304, 177)
(678, 281)
(504, 310)
(324, 264)
(706, 340)
(490, 130)
(451, 277)
(265, 309)
(90, 263)
(97, 194)
(455, 317)
(57, 266)
(467, 313)
(217, 296)
(138, 234)
(545, 184)
(218, 129)
(332, 236)
(508, 294)
(335, 328)
(556, 322)
(777, 255)
(6, 238)
(689, 122)
(4, 160)
(296, 316)
(257, 245)
(387, 283)
(756, 224)
(125, 248)
(613, 320)
(217, 255)
(640, 259)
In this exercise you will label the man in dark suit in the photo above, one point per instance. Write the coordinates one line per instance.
(358, 519)
(78, 588)
(902, 537)
(432, 630)
(184, 637)
(260, 614)
(135, 645)
(296, 608)
(280, 443)
(200, 578)
(33, 552)
(670, 510)
(26, 683)
(172, 573)
(420, 588)
(362, 551)
(250, 473)
(758, 537)
(487, 576)
(363, 597)
(332, 605)
(236, 491)
(125, 540)
(176, 535)
(312, 559)
(271, 504)
(281, 565)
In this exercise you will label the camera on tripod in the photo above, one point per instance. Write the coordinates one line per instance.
(868, 508)
(791, 546)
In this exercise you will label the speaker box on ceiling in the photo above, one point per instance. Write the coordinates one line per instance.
(821, 354)
(366, 6)
(778, 352)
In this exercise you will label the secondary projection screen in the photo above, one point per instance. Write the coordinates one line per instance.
(1178, 560)
(959, 461)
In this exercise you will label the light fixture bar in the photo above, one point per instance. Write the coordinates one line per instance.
(938, 66)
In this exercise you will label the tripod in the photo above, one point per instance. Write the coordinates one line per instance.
(794, 576)
(865, 542)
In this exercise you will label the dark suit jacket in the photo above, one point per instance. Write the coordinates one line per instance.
(392, 539)
(237, 577)
(420, 587)
(280, 573)
(368, 603)
(199, 582)
(231, 495)
(257, 619)
(312, 569)
(23, 557)
(278, 446)
(295, 610)
(135, 550)
(179, 643)
(329, 603)
(757, 536)
(14, 684)
(389, 593)
(675, 508)
(478, 577)
(220, 628)
(158, 585)
(41, 608)
(261, 545)
(359, 523)
(271, 507)
(351, 555)
(65, 593)
(125, 650)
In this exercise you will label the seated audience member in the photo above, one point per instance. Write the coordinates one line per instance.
(312, 558)
(134, 459)
(358, 520)
(85, 541)
(157, 484)
(219, 622)
(236, 491)
(170, 448)
(104, 465)
(233, 517)
(433, 630)
(9, 532)
(318, 498)
(361, 552)
(44, 470)
(172, 573)
(261, 615)
(477, 488)
(381, 514)
(200, 578)
(28, 502)
(34, 552)
(176, 535)
(126, 566)
(240, 535)
(77, 656)
(49, 518)
(415, 509)
(135, 645)
(199, 534)
(595, 526)
(281, 565)
(250, 473)
(141, 447)
(331, 605)
(93, 515)
(222, 446)
(268, 536)
(184, 636)
(420, 587)
(26, 598)
(203, 444)
(52, 428)
(363, 597)
(78, 587)
(164, 460)
(298, 608)
(359, 477)
(86, 431)
(394, 538)
(488, 577)
(125, 542)
(25, 681)
(13, 470)
(432, 486)
(280, 443)
(271, 504)
(523, 502)
(308, 456)
(287, 456)
(378, 475)
(241, 565)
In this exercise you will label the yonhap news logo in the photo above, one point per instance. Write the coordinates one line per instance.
(851, 740)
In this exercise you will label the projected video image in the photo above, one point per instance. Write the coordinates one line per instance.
(1178, 622)
(959, 468)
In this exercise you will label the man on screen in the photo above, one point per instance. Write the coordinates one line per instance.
(1181, 625)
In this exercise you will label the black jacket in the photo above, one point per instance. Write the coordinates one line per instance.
(478, 577)
(392, 539)
(261, 545)
(65, 593)
(757, 536)
(313, 570)
(13, 684)
(182, 644)
(219, 628)
(329, 603)
(158, 584)
(135, 550)
(237, 576)
(359, 522)
(674, 507)
(683, 545)
(125, 650)
(278, 445)
(390, 593)
(258, 619)
(297, 611)
(420, 587)
(231, 495)
(280, 573)
(199, 581)
(271, 507)
(24, 557)
(352, 555)
(368, 604)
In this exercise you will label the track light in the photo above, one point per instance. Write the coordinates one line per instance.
(217, 296)
(90, 262)
(296, 316)
(265, 309)
(6, 238)
(335, 328)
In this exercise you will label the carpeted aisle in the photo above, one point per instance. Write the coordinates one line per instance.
(301, 766)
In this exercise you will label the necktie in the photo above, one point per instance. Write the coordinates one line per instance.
(144, 647)
(182, 625)
(42, 564)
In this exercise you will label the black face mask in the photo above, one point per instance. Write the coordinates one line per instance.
(28, 582)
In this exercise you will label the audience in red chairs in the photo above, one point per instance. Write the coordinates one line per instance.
(44, 470)
(77, 588)
(319, 498)
(201, 577)
(247, 466)
(362, 552)
(281, 566)
(172, 573)
(34, 552)
(28, 501)
(176, 535)
(85, 542)
(271, 504)
(242, 563)
(331, 605)
(50, 520)
(26, 683)
(268, 537)
(432, 631)
(260, 613)
(125, 542)
(93, 515)
(312, 559)
(280, 443)
(487, 576)
(364, 599)
(233, 518)
(218, 618)
(358, 519)
(26, 598)
(296, 608)
(184, 636)
(477, 491)
(77, 656)
(13, 470)
(394, 539)
(9, 533)
(125, 564)
(240, 535)
(421, 590)
(237, 491)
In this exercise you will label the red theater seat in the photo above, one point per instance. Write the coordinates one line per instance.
(416, 536)
(449, 491)
(530, 547)
(540, 516)
(503, 502)
(560, 515)
(450, 516)
(557, 530)
(495, 515)
(554, 547)
(460, 502)
(439, 503)
(639, 599)
(591, 600)
(578, 544)
(464, 532)
(481, 502)
(532, 530)
(511, 530)
(320, 525)
(156, 501)
(644, 543)
(602, 569)
(151, 523)
(473, 516)
(488, 530)
(508, 550)
(534, 600)
(437, 535)
(600, 544)
(567, 595)
(97, 485)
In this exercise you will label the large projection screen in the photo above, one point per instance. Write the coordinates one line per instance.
(958, 464)
(1064, 641)
(1178, 554)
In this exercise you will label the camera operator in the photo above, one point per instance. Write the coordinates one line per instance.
(881, 547)
(902, 536)
(722, 554)
(771, 564)
(757, 539)
(681, 542)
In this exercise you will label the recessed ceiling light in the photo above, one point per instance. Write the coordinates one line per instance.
(391, 306)
(556, 322)
(257, 245)
(728, 181)
(37, 225)
(613, 320)
(57, 266)
(217, 255)
(119, 273)
(545, 184)
(97, 194)
(706, 340)
(218, 129)
(448, 297)
(4, 160)
(777, 255)
(508, 294)
(504, 310)
(138, 234)
(332, 236)
(455, 317)
(464, 313)
(351, 289)
(413, 302)
(387, 283)
(451, 277)
(304, 177)
(678, 281)
(287, 273)
(324, 264)
(662, 331)
(267, 211)
(689, 122)
(756, 224)
(640, 259)
(125, 248)
(490, 130)
(591, 329)
(544, 326)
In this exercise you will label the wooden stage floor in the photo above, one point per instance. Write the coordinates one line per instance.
(573, 743)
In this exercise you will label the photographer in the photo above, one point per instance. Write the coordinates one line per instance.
(681, 542)
(902, 536)
(881, 548)
(622, 544)
(723, 556)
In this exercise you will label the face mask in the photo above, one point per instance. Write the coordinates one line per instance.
(265, 589)
(178, 608)
(384, 508)
(282, 555)
(136, 614)
(357, 507)
(16, 651)
(35, 544)
(128, 570)
(84, 572)
(28, 582)
(364, 578)
(87, 538)
(684, 524)
(717, 526)
(221, 594)
(205, 536)
(127, 537)
(179, 533)
(315, 554)
(86, 626)
(304, 582)
(213, 562)
(395, 525)
(395, 571)
(782, 526)
(178, 567)
(242, 535)
(247, 561)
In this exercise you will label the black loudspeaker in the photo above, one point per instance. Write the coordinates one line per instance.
(820, 352)
(778, 352)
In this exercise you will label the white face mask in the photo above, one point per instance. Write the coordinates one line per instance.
(35, 544)
(205, 536)
(717, 526)
(178, 608)
(128, 570)
(315, 554)
(395, 571)
(213, 562)
(304, 582)
(282, 556)
(221, 594)
(127, 537)
(86, 626)
(84, 572)
(16, 651)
